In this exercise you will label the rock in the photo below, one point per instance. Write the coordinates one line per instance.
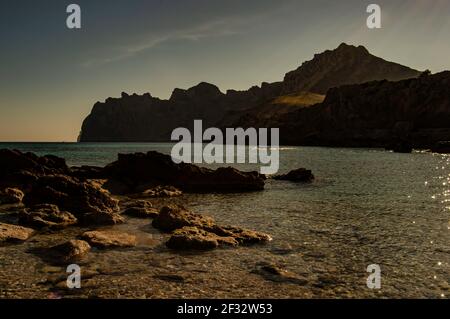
(20, 169)
(175, 217)
(274, 273)
(161, 191)
(155, 168)
(241, 235)
(102, 218)
(300, 175)
(366, 115)
(71, 251)
(192, 238)
(11, 196)
(442, 147)
(141, 212)
(109, 239)
(401, 146)
(140, 203)
(46, 215)
(87, 172)
(197, 232)
(13, 233)
(83, 199)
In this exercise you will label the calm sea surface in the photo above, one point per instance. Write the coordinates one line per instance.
(366, 206)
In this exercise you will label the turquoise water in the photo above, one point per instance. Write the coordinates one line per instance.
(367, 206)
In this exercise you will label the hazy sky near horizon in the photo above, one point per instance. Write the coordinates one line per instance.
(51, 76)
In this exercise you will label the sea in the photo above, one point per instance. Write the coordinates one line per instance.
(365, 207)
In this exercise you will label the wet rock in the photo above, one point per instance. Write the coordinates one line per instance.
(12, 233)
(241, 235)
(174, 217)
(141, 212)
(102, 218)
(162, 191)
(159, 169)
(277, 274)
(300, 175)
(192, 238)
(194, 231)
(70, 251)
(46, 215)
(109, 239)
(79, 198)
(11, 196)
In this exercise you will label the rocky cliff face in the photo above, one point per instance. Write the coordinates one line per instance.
(374, 114)
(145, 118)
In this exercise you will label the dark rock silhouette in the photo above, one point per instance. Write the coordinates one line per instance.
(148, 119)
(154, 168)
(413, 112)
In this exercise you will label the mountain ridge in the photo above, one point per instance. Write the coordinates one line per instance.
(144, 118)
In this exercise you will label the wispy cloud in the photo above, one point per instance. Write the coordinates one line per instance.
(211, 29)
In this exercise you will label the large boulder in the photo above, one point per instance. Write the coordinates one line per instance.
(12, 233)
(159, 169)
(85, 200)
(11, 196)
(46, 216)
(21, 169)
(301, 175)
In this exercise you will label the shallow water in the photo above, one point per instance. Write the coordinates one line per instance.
(365, 207)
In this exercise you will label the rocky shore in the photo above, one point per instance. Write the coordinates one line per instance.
(52, 196)
(81, 210)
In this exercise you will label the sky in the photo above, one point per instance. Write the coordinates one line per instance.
(51, 76)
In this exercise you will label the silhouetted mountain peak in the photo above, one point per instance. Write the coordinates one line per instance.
(347, 64)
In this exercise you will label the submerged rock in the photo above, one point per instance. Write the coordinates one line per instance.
(275, 273)
(300, 175)
(11, 196)
(71, 250)
(155, 168)
(13, 233)
(109, 239)
(46, 215)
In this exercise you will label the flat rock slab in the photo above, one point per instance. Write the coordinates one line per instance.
(13, 233)
(109, 239)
